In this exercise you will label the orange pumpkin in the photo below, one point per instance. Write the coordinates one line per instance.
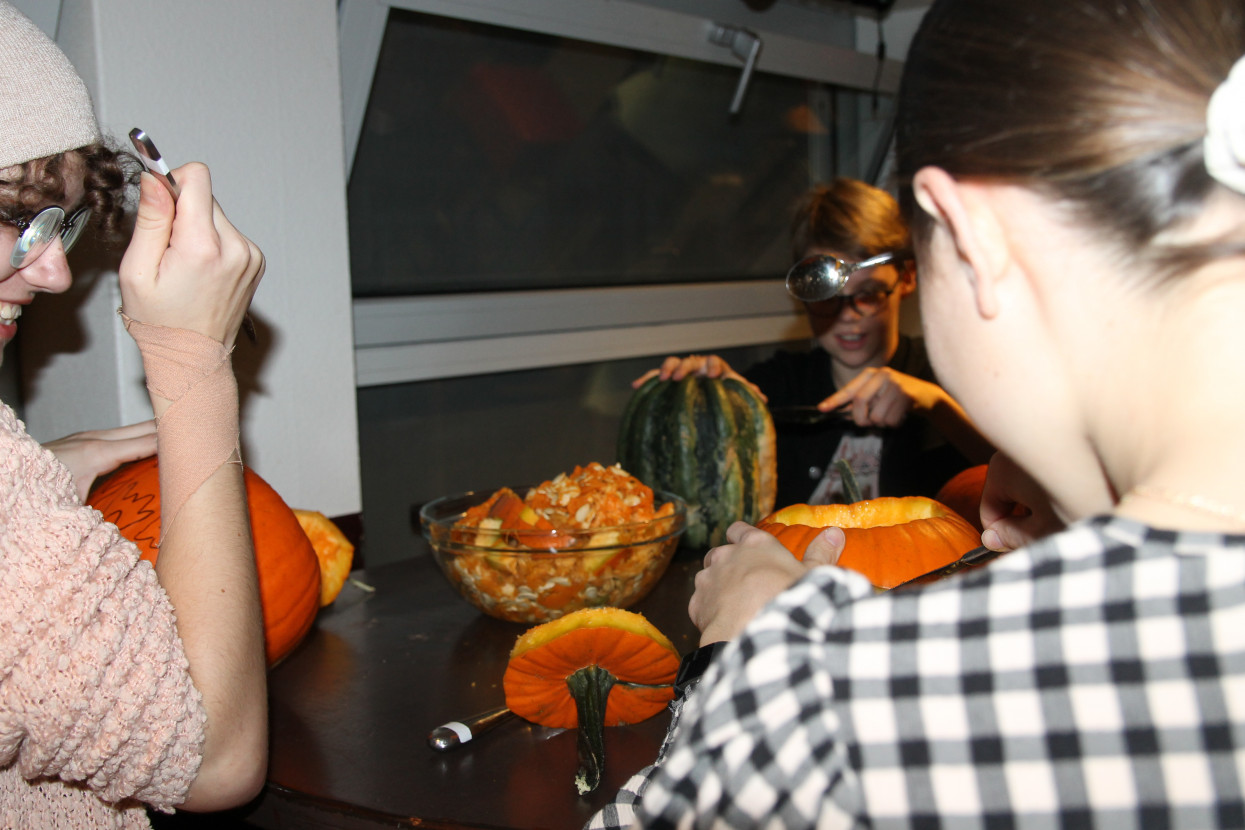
(592, 668)
(289, 573)
(889, 540)
(962, 493)
(333, 550)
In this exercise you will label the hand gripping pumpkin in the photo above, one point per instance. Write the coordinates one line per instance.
(889, 540)
(289, 573)
(593, 668)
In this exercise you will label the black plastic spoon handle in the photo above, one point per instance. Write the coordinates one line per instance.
(456, 733)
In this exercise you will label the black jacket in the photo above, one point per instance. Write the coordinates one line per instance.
(916, 459)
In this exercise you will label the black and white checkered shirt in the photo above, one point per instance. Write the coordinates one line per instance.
(1096, 679)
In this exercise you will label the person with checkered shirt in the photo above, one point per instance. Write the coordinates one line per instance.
(1075, 177)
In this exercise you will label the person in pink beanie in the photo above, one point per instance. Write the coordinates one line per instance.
(123, 686)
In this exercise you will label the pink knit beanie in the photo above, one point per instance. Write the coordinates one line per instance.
(44, 106)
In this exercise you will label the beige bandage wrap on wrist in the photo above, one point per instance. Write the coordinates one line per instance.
(199, 431)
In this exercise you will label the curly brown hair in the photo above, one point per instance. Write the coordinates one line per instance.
(108, 176)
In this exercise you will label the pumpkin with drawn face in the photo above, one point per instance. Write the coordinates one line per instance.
(889, 540)
(288, 570)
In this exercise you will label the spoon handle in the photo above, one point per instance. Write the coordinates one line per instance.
(880, 259)
(456, 733)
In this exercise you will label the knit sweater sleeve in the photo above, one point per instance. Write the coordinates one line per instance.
(94, 683)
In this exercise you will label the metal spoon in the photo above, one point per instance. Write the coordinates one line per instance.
(820, 276)
(456, 733)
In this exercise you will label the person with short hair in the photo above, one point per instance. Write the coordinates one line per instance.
(898, 429)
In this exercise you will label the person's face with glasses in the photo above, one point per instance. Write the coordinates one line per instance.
(860, 327)
(36, 240)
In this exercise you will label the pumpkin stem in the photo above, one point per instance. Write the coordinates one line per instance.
(590, 686)
(851, 489)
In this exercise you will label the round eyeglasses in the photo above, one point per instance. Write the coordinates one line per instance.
(41, 230)
(864, 303)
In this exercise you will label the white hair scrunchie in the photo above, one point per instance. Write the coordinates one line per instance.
(1224, 145)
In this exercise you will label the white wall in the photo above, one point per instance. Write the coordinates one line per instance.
(252, 88)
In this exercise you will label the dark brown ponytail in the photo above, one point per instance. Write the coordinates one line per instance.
(1099, 104)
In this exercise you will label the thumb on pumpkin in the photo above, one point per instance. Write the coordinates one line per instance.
(825, 548)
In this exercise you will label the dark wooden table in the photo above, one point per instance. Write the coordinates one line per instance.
(351, 709)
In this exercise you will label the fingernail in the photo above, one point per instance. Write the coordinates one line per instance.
(992, 540)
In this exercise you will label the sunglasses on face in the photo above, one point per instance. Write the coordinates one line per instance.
(41, 230)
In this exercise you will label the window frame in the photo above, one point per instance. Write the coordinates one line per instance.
(398, 340)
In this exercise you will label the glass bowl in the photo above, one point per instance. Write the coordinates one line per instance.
(537, 576)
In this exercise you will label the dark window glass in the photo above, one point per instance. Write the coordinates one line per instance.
(495, 159)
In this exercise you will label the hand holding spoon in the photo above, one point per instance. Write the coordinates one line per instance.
(156, 166)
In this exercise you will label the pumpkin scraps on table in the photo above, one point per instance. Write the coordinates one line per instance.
(293, 565)
(593, 668)
(593, 537)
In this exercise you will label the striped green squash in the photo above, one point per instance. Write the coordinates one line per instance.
(708, 440)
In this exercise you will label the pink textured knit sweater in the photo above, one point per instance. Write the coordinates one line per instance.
(97, 710)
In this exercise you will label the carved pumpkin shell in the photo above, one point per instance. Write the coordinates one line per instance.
(889, 540)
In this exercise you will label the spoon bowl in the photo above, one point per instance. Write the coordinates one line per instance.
(821, 276)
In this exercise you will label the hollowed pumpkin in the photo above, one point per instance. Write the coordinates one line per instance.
(289, 572)
(889, 540)
(592, 668)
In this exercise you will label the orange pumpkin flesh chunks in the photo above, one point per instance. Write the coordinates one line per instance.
(508, 514)
(289, 573)
(593, 668)
(889, 540)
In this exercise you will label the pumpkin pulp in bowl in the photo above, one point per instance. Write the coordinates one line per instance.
(533, 554)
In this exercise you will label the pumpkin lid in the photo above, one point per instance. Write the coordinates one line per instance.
(624, 643)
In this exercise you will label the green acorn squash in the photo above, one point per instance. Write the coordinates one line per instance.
(708, 440)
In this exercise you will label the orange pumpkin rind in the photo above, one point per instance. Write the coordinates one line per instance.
(333, 550)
